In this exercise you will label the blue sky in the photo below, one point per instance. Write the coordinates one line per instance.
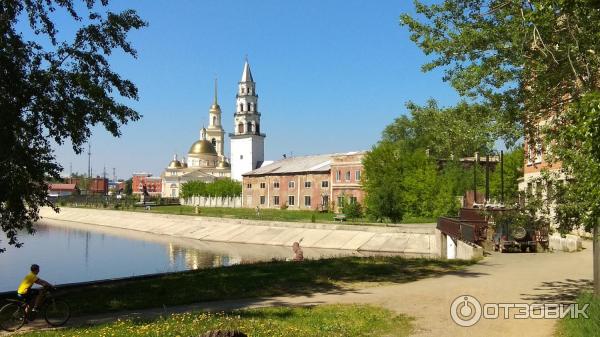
(330, 76)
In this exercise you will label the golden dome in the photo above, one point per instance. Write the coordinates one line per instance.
(202, 147)
(175, 164)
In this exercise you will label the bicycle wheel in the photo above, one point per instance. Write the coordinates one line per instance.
(12, 317)
(56, 312)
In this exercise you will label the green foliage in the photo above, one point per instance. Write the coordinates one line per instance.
(461, 130)
(581, 326)
(527, 62)
(218, 188)
(128, 190)
(579, 150)
(55, 90)
(352, 210)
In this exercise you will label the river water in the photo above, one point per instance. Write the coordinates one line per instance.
(70, 252)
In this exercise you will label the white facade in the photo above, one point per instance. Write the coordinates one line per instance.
(247, 143)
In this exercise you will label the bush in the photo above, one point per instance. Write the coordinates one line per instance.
(313, 218)
(284, 205)
(352, 210)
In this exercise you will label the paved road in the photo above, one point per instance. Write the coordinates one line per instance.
(503, 278)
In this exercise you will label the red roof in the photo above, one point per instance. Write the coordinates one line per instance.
(62, 187)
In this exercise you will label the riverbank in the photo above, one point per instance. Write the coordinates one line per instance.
(417, 239)
(266, 279)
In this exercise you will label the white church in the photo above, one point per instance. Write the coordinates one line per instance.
(206, 159)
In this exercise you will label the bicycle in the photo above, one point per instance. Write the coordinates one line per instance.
(56, 312)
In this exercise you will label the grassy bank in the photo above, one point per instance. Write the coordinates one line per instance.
(332, 320)
(254, 280)
(265, 214)
(582, 327)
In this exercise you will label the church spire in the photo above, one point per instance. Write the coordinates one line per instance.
(246, 74)
(215, 103)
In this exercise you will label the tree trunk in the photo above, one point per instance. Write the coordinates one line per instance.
(596, 238)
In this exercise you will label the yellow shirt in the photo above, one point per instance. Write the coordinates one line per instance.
(27, 282)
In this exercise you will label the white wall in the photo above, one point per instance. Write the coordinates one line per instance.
(245, 153)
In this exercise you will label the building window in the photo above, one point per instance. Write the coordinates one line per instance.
(241, 128)
(324, 184)
(262, 200)
(291, 200)
(276, 200)
(263, 185)
(325, 201)
(241, 156)
(214, 142)
(291, 184)
(353, 200)
(357, 176)
(307, 201)
(276, 184)
(307, 184)
(338, 175)
(340, 201)
(348, 176)
(249, 186)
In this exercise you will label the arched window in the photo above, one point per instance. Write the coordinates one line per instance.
(241, 128)
(257, 128)
(214, 142)
(252, 107)
(247, 106)
(214, 120)
(241, 106)
(249, 127)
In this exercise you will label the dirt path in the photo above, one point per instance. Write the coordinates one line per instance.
(501, 278)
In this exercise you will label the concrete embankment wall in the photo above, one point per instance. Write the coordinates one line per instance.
(408, 239)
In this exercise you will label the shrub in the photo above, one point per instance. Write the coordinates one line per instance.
(352, 210)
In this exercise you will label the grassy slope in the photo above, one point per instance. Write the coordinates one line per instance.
(582, 327)
(256, 280)
(321, 321)
(265, 214)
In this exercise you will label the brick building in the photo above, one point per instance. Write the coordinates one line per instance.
(153, 184)
(346, 174)
(305, 183)
(96, 185)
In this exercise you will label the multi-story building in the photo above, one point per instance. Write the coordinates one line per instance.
(305, 182)
(141, 179)
(346, 177)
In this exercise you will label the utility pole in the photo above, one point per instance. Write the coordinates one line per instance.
(487, 178)
(502, 177)
(114, 175)
(89, 160)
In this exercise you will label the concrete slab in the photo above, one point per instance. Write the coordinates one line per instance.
(335, 239)
(356, 242)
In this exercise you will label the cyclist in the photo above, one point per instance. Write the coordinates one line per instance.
(27, 294)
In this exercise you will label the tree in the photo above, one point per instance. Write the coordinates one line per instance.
(224, 188)
(54, 90)
(460, 130)
(128, 187)
(528, 62)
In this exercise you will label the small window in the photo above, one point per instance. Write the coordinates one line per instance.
(291, 200)
(276, 184)
(263, 185)
(291, 184)
(263, 200)
(276, 200)
(241, 156)
(307, 184)
(347, 175)
(357, 176)
(324, 184)
(341, 201)
(353, 200)
(249, 186)
(307, 201)
(338, 176)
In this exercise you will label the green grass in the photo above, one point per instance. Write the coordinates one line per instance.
(320, 321)
(255, 280)
(265, 214)
(582, 327)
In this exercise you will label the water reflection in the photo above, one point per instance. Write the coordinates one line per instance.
(75, 252)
